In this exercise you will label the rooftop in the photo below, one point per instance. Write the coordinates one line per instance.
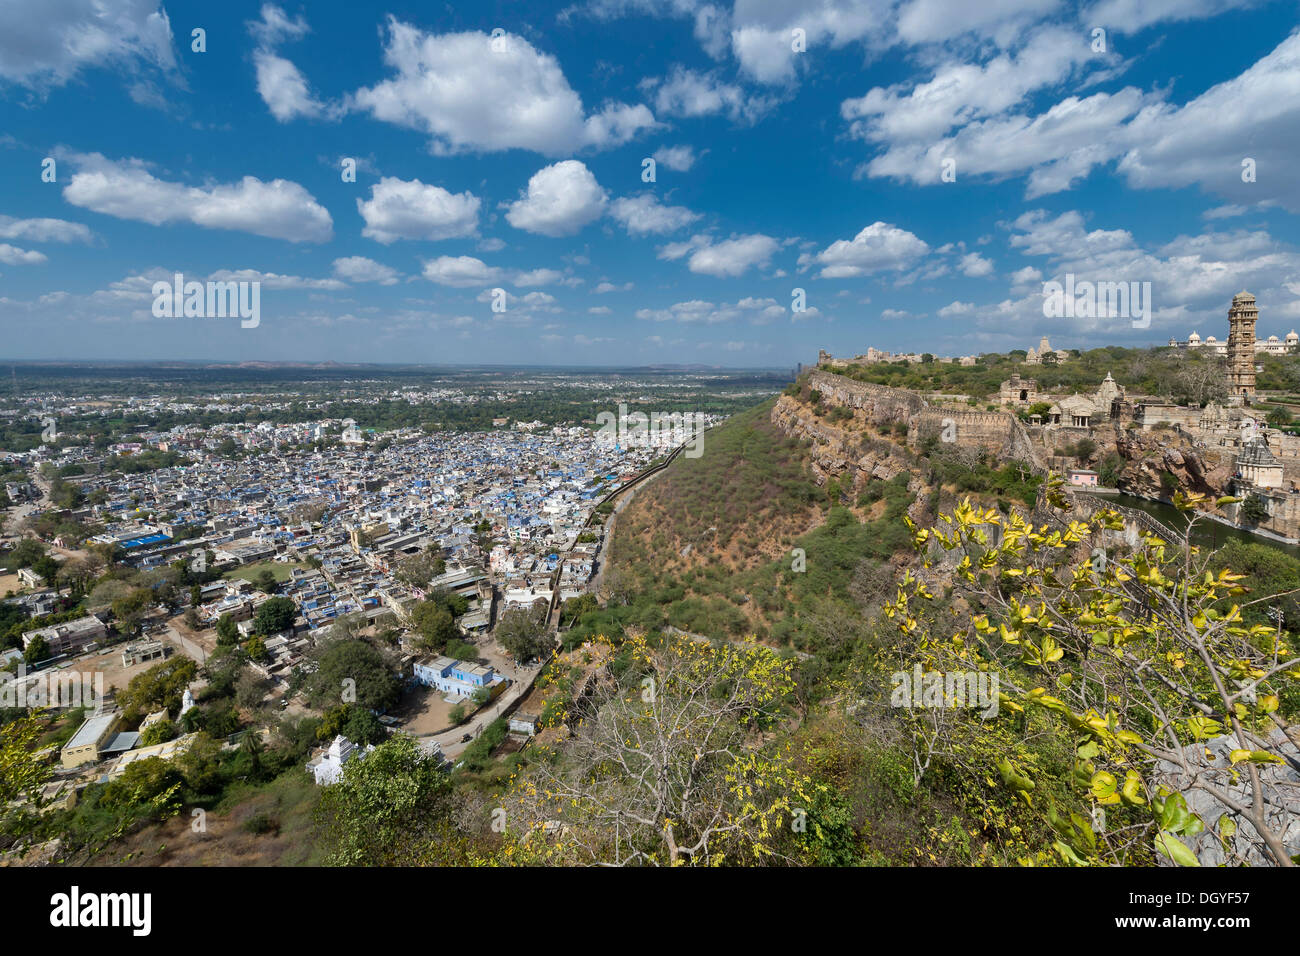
(1256, 452)
(91, 731)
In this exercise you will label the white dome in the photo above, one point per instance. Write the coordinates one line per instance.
(1292, 337)
(1273, 338)
(1211, 339)
(1194, 338)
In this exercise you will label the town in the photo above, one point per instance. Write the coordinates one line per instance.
(275, 539)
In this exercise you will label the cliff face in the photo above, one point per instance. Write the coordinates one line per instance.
(1147, 455)
(839, 450)
(886, 426)
(879, 404)
(877, 410)
(858, 432)
(849, 452)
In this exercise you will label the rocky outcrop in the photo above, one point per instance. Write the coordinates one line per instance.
(887, 426)
(1149, 455)
(897, 412)
(837, 451)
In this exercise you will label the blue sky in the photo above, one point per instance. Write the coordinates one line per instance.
(517, 163)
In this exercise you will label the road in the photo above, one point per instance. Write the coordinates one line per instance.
(19, 512)
(553, 613)
(192, 650)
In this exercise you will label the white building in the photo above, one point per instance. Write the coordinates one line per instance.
(1270, 346)
(327, 767)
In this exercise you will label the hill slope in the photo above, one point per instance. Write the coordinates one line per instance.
(753, 538)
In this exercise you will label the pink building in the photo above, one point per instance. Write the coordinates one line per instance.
(1081, 477)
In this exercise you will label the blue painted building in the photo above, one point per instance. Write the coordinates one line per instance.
(455, 677)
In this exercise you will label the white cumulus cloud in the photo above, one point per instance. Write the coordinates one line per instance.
(46, 43)
(470, 92)
(559, 201)
(13, 256)
(410, 209)
(279, 209)
(43, 230)
(644, 215)
(361, 269)
(461, 272)
(877, 248)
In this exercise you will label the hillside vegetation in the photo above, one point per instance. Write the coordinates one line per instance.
(749, 540)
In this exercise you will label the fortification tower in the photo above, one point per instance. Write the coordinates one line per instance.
(1241, 347)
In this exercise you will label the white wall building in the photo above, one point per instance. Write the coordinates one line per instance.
(327, 767)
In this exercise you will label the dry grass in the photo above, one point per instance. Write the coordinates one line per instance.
(287, 802)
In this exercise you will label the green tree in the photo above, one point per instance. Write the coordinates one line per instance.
(1254, 509)
(355, 723)
(1110, 470)
(434, 624)
(227, 631)
(522, 632)
(26, 553)
(275, 615)
(47, 568)
(22, 772)
(392, 808)
(158, 733)
(161, 686)
(461, 650)
(151, 782)
(129, 610)
(347, 666)
(255, 648)
(38, 649)
(1143, 661)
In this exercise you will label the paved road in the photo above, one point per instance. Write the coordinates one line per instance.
(191, 649)
(624, 493)
(602, 557)
(19, 512)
